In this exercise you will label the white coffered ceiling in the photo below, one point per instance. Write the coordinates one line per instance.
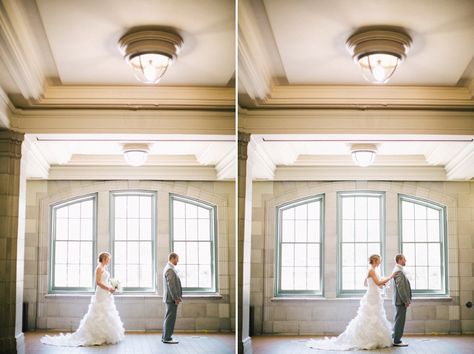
(304, 100)
(65, 84)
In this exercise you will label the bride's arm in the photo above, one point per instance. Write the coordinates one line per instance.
(376, 280)
(98, 280)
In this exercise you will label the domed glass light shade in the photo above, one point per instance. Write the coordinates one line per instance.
(363, 155)
(378, 52)
(135, 154)
(150, 52)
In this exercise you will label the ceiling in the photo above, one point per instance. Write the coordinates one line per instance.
(304, 101)
(65, 84)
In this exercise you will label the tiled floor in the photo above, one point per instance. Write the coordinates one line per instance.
(417, 345)
(143, 343)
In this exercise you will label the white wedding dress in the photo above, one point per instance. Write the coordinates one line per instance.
(370, 329)
(100, 325)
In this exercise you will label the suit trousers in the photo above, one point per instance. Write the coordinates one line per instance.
(399, 325)
(170, 320)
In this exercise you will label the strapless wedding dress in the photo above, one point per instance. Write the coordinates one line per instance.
(370, 329)
(100, 325)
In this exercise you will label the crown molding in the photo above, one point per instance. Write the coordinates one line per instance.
(156, 97)
(19, 49)
(462, 165)
(364, 97)
(256, 52)
(346, 160)
(262, 163)
(226, 167)
(341, 173)
(36, 164)
(339, 121)
(124, 121)
(7, 109)
(118, 160)
(176, 173)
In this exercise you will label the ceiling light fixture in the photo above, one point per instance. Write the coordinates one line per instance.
(150, 52)
(363, 155)
(136, 154)
(378, 52)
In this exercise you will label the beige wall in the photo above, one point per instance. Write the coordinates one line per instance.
(330, 315)
(140, 311)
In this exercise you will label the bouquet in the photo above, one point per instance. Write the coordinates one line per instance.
(115, 283)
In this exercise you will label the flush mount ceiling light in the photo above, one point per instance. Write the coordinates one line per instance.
(378, 52)
(363, 155)
(135, 154)
(150, 52)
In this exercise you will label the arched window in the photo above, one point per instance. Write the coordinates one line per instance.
(193, 238)
(73, 237)
(423, 242)
(299, 248)
(360, 233)
(133, 239)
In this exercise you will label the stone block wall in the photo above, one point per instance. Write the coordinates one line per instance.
(137, 311)
(329, 315)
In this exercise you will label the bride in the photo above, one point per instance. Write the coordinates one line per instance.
(101, 324)
(370, 329)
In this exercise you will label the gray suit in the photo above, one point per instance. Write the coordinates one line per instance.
(171, 292)
(401, 299)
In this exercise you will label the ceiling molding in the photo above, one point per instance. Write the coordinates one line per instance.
(339, 96)
(462, 165)
(124, 121)
(346, 160)
(19, 50)
(176, 173)
(262, 163)
(340, 173)
(118, 160)
(255, 55)
(226, 167)
(36, 164)
(156, 97)
(324, 121)
(6, 110)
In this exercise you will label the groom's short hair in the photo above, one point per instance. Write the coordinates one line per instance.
(172, 255)
(398, 257)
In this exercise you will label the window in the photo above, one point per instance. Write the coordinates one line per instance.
(299, 249)
(133, 239)
(423, 242)
(193, 238)
(73, 244)
(360, 234)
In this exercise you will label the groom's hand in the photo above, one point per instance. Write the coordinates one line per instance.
(177, 302)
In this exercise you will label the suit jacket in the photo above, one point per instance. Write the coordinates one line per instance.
(402, 288)
(171, 284)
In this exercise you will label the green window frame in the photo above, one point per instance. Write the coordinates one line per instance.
(300, 231)
(193, 236)
(132, 237)
(423, 241)
(360, 233)
(73, 231)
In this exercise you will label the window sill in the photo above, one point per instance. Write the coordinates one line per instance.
(321, 298)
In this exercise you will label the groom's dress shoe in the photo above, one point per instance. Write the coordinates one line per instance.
(401, 344)
(170, 341)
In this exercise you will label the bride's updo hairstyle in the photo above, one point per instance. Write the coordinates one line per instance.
(373, 258)
(102, 256)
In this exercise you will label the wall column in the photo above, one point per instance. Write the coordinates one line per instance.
(244, 241)
(12, 242)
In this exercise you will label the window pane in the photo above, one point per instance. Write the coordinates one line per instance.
(361, 207)
(133, 206)
(204, 229)
(87, 209)
(408, 231)
(191, 229)
(73, 276)
(314, 211)
(313, 279)
(373, 208)
(178, 209)
(287, 278)
(205, 253)
(62, 212)
(75, 211)
(313, 231)
(420, 212)
(62, 227)
(180, 249)
(301, 231)
(132, 276)
(409, 252)
(192, 253)
(300, 255)
(433, 214)
(300, 278)
(348, 230)
(373, 248)
(146, 254)
(192, 275)
(145, 276)
(313, 255)
(420, 230)
(204, 213)
(120, 207)
(145, 206)
(348, 254)
(145, 229)
(288, 214)
(179, 229)
(133, 253)
(73, 252)
(86, 254)
(133, 232)
(421, 254)
(373, 232)
(287, 254)
(361, 257)
(120, 254)
(434, 254)
(348, 208)
(74, 229)
(433, 230)
(360, 276)
(408, 210)
(87, 230)
(288, 232)
(301, 212)
(85, 280)
(205, 276)
(60, 275)
(61, 252)
(421, 277)
(120, 229)
(191, 211)
(348, 277)
(434, 280)
(361, 230)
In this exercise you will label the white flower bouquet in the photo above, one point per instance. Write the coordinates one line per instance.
(115, 283)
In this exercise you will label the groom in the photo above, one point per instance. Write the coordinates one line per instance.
(401, 299)
(172, 294)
